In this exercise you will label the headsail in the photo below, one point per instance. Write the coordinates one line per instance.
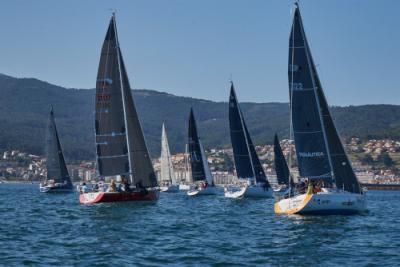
(120, 144)
(311, 150)
(246, 159)
(281, 167)
(344, 175)
(197, 156)
(167, 169)
(55, 163)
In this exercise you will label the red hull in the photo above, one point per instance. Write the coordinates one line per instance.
(97, 197)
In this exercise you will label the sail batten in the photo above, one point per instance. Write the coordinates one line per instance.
(55, 162)
(247, 163)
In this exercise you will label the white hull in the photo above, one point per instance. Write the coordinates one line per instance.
(170, 189)
(184, 187)
(210, 190)
(254, 191)
(54, 189)
(322, 203)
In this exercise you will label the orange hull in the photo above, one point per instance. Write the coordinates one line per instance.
(98, 197)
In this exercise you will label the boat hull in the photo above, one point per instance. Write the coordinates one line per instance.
(170, 189)
(184, 187)
(98, 197)
(211, 190)
(250, 192)
(55, 189)
(323, 203)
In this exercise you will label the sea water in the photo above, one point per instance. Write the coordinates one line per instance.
(54, 229)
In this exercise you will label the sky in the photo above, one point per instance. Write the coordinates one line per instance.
(193, 48)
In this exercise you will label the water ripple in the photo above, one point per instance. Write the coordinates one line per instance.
(49, 230)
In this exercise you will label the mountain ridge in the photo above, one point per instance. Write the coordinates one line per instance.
(25, 103)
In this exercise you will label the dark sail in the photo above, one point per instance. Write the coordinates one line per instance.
(247, 163)
(195, 157)
(121, 147)
(342, 170)
(281, 167)
(55, 163)
(311, 150)
(111, 137)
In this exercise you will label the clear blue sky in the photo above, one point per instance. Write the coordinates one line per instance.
(191, 48)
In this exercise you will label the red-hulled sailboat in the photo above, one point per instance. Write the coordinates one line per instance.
(120, 144)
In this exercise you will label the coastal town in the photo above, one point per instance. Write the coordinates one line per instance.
(374, 161)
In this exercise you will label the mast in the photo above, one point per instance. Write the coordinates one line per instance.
(123, 97)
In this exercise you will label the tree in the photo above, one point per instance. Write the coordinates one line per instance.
(385, 159)
(367, 159)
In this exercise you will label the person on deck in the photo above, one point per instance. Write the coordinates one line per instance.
(127, 186)
(83, 188)
(112, 187)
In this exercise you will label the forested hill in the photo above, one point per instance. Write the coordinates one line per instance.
(25, 103)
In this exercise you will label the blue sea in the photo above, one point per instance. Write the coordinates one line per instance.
(55, 230)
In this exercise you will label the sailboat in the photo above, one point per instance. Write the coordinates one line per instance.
(201, 174)
(120, 144)
(187, 181)
(282, 171)
(168, 178)
(329, 184)
(58, 179)
(247, 163)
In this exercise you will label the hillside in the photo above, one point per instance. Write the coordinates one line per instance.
(24, 106)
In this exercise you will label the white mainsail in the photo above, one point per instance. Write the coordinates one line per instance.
(167, 169)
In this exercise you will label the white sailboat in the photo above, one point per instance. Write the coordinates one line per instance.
(201, 174)
(247, 163)
(168, 178)
(329, 184)
(185, 184)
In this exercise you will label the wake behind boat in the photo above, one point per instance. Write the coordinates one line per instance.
(120, 144)
(58, 179)
(168, 179)
(329, 185)
(247, 163)
(201, 174)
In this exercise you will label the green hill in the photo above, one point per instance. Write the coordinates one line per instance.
(24, 107)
